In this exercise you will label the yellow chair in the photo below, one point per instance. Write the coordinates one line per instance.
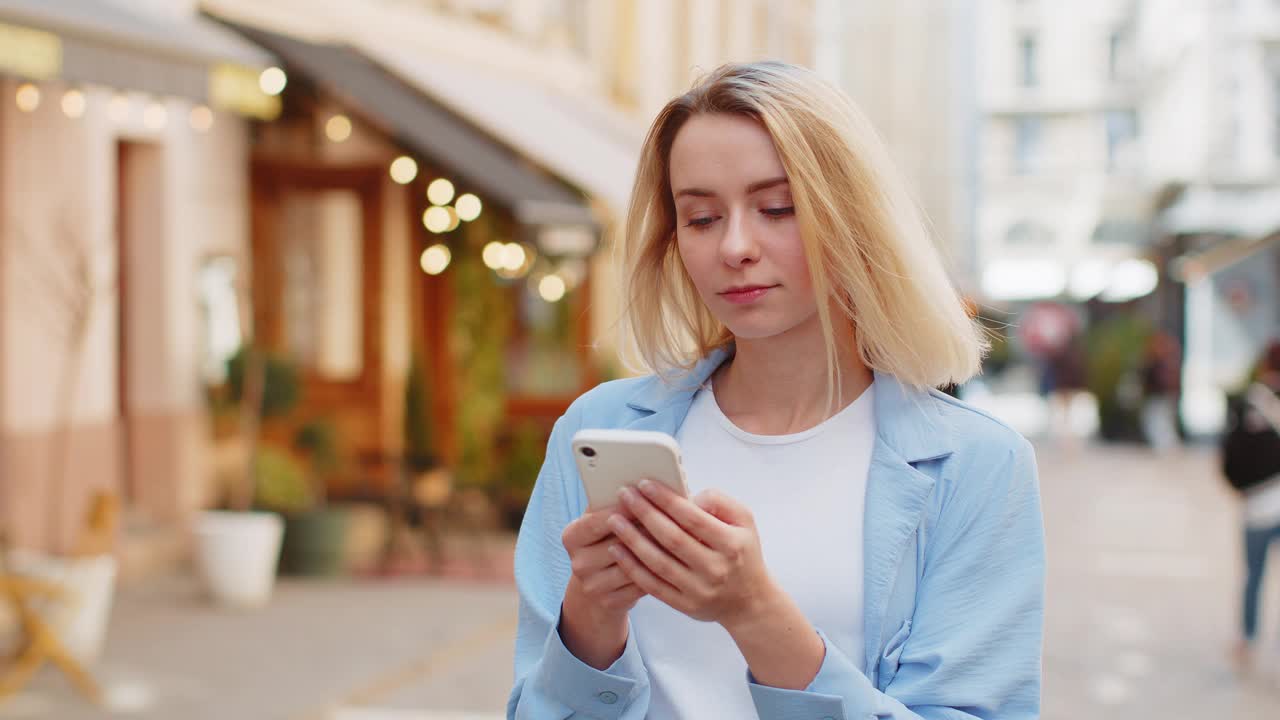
(38, 642)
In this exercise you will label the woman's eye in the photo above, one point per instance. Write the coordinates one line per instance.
(700, 222)
(779, 212)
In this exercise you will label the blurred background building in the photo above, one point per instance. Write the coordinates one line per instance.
(126, 141)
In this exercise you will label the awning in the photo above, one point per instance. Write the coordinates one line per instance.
(424, 125)
(572, 133)
(1245, 221)
(1232, 212)
(551, 129)
(90, 41)
(1221, 255)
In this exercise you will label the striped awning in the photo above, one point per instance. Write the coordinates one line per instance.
(95, 42)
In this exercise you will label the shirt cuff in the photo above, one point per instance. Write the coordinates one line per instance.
(824, 699)
(586, 690)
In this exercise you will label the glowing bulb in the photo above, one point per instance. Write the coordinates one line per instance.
(155, 116)
(404, 169)
(338, 128)
(513, 256)
(436, 219)
(201, 118)
(493, 255)
(73, 103)
(468, 207)
(454, 221)
(551, 288)
(435, 259)
(440, 191)
(120, 108)
(27, 97)
(272, 81)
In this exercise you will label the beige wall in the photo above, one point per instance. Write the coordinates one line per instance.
(59, 177)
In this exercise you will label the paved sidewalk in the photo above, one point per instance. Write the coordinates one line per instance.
(317, 649)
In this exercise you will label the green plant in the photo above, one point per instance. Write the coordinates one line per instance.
(282, 386)
(1115, 352)
(417, 412)
(520, 471)
(481, 326)
(281, 482)
(317, 441)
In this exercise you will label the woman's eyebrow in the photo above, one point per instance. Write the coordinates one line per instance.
(754, 187)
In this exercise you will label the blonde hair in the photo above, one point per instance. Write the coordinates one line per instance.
(867, 243)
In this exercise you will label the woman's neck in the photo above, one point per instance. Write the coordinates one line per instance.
(778, 385)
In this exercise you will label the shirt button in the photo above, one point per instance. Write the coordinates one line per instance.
(608, 698)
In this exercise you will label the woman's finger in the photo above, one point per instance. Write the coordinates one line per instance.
(645, 580)
(657, 560)
(667, 533)
(607, 580)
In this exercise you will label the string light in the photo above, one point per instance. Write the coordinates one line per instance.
(27, 97)
(435, 259)
(273, 81)
(468, 207)
(551, 288)
(201, 118)
(440, 191)
(73, 103)
(404, 169)
(338, 128)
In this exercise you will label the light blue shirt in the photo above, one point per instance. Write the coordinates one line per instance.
(953, 562)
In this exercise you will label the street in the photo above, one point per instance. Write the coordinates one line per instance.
(1144, 569)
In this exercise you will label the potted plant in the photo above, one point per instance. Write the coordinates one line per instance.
(515, 483)
(64, 275)
(315, 531)
(238, 549)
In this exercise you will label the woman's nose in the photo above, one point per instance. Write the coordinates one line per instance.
(738, 246)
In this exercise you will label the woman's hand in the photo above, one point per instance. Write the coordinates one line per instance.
(593, 617)
(703, 558)
(700, 556)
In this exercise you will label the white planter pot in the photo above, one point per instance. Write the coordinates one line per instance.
(81, 618)
(237, 553)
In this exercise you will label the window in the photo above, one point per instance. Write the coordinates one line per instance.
(1029, 234)
(1122, 130)
(220, 308)
(1115, 51)
(1275, 111)
(1028, 59)
(1026, 149)
(322, 270)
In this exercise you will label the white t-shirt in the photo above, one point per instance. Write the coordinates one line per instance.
(806, 492)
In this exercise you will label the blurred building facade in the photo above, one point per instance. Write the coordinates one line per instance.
(207, 219)
(123, 177)
(911, 68)
(1129, 151)
(1214, 95)
(1062, 186)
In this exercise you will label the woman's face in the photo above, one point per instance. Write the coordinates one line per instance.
(736, 227)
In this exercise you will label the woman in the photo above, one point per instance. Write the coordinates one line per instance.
(1257, 417)
(857, 544)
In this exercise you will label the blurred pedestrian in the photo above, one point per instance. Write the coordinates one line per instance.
(855, 542)
(1065, 368)
(1251, 463)
(1161, 388)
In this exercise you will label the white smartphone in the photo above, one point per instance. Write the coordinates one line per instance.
(609, 460)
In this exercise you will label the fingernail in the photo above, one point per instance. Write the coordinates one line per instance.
(617, 523)
(625, 496)
(615, 551)
(646, 486)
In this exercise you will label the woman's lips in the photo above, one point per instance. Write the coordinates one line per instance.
(744, 295)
